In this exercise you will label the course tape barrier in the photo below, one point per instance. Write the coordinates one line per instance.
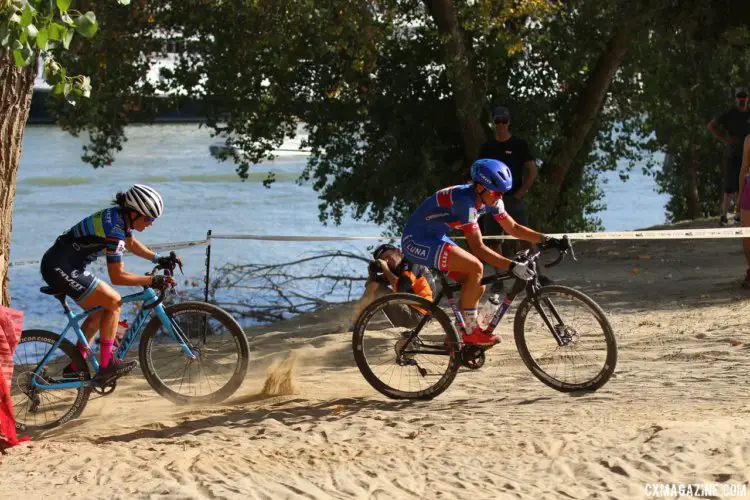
(166, 247)
(158, 247)
(283, 237)
(667, 234)
(659, 234)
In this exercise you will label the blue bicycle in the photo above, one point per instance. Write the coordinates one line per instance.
(192, 352)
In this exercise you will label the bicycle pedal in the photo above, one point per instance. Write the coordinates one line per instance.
(105, 389)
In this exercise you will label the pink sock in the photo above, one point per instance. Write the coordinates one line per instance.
(106, 353)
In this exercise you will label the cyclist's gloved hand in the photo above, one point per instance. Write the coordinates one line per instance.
(521, 270)
(558, 243)
(161, 282)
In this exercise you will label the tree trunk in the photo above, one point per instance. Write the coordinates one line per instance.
(16, 85)
(469, 102)
(690, 186)
(587, 110)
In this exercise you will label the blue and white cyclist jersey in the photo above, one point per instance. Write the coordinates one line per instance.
(102, 233)
(451, 208)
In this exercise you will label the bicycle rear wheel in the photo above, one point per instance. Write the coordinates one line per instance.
(37, 408)
(588, 355)
(406, 362)
(221, 349)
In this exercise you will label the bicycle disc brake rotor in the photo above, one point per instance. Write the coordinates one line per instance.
(567, 334)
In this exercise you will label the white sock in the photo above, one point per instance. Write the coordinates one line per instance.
(470, 318)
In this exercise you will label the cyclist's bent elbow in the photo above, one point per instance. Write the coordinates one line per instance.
(476, 244)
(510, 226)
(117, 274)
(118, 280)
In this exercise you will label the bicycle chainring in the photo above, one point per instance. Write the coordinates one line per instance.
(472, 357)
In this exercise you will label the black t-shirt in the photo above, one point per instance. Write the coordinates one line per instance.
(514, 152)
(737, 125)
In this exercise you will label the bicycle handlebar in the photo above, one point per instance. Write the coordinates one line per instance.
(562, 253)
(168, 269)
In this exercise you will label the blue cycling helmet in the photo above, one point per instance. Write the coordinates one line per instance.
(492, 174)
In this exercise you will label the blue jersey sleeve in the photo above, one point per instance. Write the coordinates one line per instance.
(114, 228)
(467, 216)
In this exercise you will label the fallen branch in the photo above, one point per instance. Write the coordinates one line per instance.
(271, 292)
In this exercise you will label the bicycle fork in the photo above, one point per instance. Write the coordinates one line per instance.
(561, 340)
(174, 331)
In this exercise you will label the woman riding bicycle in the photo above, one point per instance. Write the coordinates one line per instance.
(458, 207)
(107, 232)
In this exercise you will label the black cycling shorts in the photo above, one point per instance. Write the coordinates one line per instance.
(65, 272)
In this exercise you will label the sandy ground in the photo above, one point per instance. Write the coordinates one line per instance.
(676, 410)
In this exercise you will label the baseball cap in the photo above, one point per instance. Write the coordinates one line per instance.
(500, 112)
(381, 249)
(740, 90)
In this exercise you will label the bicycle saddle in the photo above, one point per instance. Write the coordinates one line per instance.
(50, 291)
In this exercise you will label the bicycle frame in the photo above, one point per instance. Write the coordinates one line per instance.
(147, 297)
(448, 289)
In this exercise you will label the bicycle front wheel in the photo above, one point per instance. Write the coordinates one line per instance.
(565, 339)
(37, 407)
(218, 343)
(406, 347)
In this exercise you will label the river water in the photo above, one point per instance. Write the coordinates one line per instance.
(55, 190)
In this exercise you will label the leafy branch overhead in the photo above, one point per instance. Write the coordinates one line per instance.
(395, 95)
(29, 28)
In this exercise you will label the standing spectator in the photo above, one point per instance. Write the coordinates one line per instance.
(514, 152)
(731, 128)
(744, 204)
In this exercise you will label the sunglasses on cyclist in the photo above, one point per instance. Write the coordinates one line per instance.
(741, 96)
(148, 219)
(502, 121)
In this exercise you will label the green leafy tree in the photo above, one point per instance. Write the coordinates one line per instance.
(396, 94)
(29, 30)
(687, 77)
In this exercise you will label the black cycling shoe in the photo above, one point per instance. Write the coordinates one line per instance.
(114, 370)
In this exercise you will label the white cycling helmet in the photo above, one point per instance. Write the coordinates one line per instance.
(144, 200)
